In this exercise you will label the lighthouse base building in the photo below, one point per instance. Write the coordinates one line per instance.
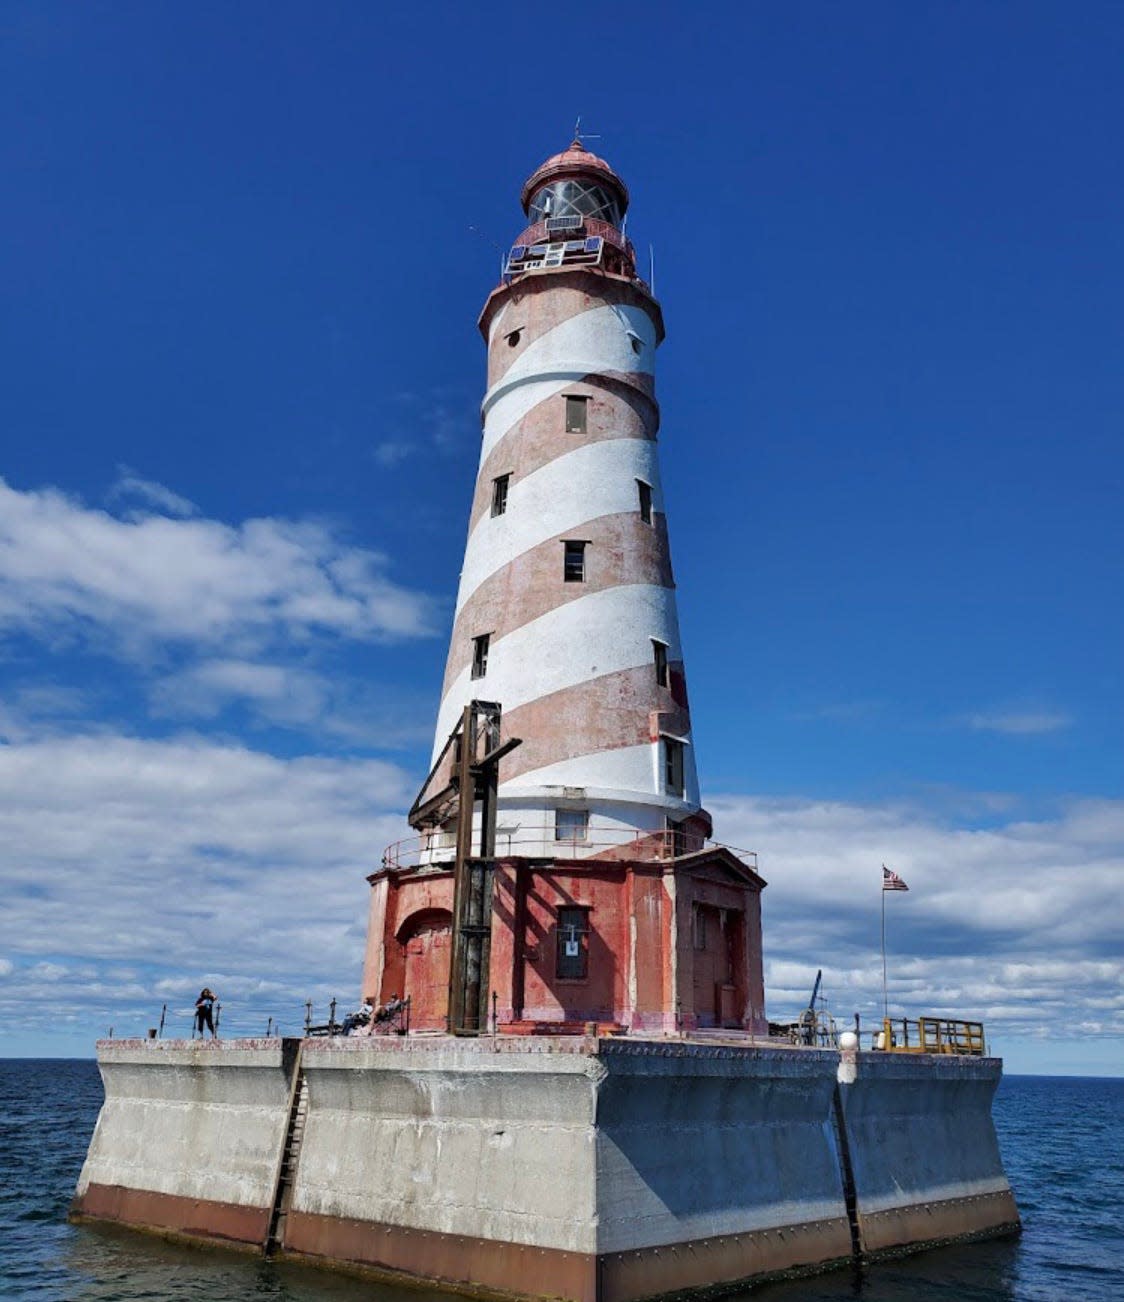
(664, 943)
(584, 1100)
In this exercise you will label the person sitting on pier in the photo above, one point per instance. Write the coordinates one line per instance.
(361, 1016)
(204, 1016)
(390, 1009)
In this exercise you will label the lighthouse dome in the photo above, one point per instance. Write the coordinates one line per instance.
(575, 183)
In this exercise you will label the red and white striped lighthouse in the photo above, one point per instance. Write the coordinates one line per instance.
(595, 895)
(566, 610)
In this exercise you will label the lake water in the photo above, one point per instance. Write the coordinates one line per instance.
(1062, 1141)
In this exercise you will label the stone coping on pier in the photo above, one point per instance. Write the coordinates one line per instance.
(723, 1043)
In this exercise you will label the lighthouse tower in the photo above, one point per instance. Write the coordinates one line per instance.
(566, 611)
(562, 874)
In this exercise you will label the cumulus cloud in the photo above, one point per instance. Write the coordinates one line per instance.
(134, 870)
(327, 706)
(67, 567)
(1017, 922)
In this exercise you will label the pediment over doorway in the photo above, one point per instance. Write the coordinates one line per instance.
(720, 865)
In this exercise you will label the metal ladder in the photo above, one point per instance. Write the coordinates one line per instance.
(290, 1155)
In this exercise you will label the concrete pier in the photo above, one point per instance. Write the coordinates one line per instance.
(597, 1170)
(189, 1136)
(924, 1152)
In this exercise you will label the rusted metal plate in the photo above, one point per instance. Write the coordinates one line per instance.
(445, 1258)
(939, 1222)
(193, 1217)
(725, 1259)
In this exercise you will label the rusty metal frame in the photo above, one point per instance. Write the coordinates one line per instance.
(470, 762)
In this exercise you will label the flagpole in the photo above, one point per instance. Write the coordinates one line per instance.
(885, 991)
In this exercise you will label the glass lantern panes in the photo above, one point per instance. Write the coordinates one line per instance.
(574, 199)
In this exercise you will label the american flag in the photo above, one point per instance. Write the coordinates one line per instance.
(891, 881)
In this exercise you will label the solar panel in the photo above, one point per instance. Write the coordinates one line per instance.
(572, 223)
(593, 244)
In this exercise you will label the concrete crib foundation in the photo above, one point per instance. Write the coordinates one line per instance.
(591, 1170)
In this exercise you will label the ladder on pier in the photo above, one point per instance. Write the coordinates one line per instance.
(290, 1155)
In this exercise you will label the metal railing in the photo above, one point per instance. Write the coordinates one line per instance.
(932, 1035)
(436, 848)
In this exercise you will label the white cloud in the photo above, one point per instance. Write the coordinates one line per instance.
(130, 487)
(319, 704)
(65, 567)
(1020, 922)
(130, 869)
(203, 689)
(145, 868)
(1019, 723)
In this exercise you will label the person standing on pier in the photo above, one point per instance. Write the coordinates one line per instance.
(204, 1011)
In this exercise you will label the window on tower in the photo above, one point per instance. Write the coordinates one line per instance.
(576, 406)
(573, 562)
(645, 492)
(659, 651)
(571, 824)
(480, 655)
(499, 494)
(673, 766)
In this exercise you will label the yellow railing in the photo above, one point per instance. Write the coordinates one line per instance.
(932, 1035)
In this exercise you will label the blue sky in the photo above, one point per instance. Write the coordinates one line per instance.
(239, 429)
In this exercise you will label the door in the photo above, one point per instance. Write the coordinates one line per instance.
(427, 941)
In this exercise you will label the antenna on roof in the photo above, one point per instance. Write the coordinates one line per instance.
(578, 136)
(488, 240)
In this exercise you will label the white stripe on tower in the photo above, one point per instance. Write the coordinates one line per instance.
(588, 669)
(576, 488)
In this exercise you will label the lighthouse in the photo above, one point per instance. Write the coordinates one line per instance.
(561, 883)
(566, 610)
(599, 896)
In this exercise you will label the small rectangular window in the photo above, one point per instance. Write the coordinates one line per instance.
(673, 766)
(573, 944)
(645, 491)
(571, 824)
(575, 413)
(659, 651)
(499, 494)
(573, 564)
(480, 655)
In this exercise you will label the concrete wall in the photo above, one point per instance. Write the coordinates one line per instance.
(449, 1160)
(924, 1151)
(594, 1170)
(576, 1168)
(714, 1164)
(189, 1135)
